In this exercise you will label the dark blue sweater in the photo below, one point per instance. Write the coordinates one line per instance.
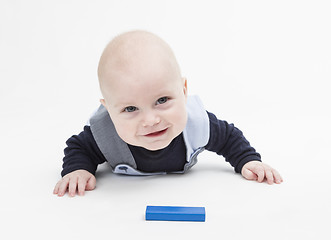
(225, 139)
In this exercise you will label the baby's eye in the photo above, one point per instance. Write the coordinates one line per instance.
(130, 109)
(162, 100)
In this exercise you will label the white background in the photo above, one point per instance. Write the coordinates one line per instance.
(264, 65)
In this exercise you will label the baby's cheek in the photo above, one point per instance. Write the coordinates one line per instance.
(124, 131)
(179, 118)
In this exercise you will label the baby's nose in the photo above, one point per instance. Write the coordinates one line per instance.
(150, 119)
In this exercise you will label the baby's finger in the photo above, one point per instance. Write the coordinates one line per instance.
(72, 186)
(269, 176)
(90, 185)
(56, 188)
(63, 185)
(249, 175)
(278, 178)
(260, 174)
(81, 186)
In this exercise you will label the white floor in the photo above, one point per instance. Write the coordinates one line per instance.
(263, 65)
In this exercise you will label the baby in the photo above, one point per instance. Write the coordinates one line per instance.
(147, 124)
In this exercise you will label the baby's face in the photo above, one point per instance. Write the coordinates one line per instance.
(148, 108)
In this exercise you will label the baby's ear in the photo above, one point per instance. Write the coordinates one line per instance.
(103, 102)
(185, 86)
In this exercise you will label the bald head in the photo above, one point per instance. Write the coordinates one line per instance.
(135, 53)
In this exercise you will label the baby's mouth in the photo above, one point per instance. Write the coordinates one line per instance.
(157, 133)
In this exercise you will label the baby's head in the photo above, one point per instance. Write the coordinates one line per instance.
(143, 90)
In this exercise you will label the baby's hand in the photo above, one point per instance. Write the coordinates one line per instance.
(80, 179)
(256, 170)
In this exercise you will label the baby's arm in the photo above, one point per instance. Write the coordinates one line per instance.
(80, 162)
(256, 170)
(79, 180)
(228, 141)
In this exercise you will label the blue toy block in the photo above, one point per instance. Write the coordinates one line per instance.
(170, 213)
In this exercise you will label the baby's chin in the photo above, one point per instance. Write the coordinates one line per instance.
(155, 146)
